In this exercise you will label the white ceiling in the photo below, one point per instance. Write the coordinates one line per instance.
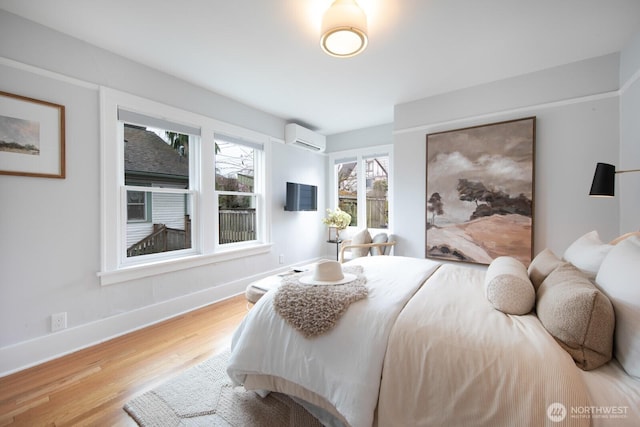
(266, 53)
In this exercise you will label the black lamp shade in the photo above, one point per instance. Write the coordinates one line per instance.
(603, 180)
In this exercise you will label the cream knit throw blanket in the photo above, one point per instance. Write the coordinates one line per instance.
(314, 310)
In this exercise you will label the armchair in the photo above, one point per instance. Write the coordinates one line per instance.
(361, 244)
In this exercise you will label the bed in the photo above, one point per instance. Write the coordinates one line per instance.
(427, 346)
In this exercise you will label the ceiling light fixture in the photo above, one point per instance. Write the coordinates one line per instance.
(344, 29)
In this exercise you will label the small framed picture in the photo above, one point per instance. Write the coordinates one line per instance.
(31, 137)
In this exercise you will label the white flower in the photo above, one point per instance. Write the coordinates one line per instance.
(337, 218)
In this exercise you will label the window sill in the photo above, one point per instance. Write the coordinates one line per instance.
(167, 266)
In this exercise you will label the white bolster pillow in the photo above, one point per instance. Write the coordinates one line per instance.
(507, 286)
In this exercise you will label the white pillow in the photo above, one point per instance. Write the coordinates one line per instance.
(541, 266)
(387, 249)
(507, 286)
(619, 279)
(379, 238)
(359, 238)
(587, 253)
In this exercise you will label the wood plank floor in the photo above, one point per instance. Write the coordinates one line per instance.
(90, 387)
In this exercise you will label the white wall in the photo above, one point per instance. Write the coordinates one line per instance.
(360, 138)
(297, 231)
(577, 110)
(50, 229)
(628, 184)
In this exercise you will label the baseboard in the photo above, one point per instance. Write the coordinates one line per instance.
(30, 353)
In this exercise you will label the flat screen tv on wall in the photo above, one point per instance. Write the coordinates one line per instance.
(301, 197)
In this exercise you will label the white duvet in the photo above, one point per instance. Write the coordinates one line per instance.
(454, 360)
(342, 367)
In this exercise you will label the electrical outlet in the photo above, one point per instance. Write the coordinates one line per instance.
(281, 259)
(58, 321)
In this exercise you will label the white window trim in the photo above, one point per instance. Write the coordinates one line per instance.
(205, 248)
(360, 155)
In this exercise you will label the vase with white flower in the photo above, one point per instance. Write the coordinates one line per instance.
(336, 220)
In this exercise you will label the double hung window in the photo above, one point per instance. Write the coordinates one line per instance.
(156, 176)
(137, 206)
(237, 191)
(178, 189)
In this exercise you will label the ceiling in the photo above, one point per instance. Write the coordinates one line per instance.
(266, 53)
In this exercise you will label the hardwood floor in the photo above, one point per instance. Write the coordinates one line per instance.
(90, 387)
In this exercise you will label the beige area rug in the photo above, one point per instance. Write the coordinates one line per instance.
(204, 396)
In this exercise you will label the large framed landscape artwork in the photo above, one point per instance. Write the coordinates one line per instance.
(480, 192)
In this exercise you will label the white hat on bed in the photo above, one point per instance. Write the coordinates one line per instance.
(327, 273)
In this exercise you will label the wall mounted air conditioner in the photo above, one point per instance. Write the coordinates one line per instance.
(299, 136)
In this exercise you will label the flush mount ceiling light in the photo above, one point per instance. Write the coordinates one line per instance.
(344, 29)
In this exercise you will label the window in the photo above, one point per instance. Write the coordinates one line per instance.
(156, 176)
(136, 206)
(347, 173)
(377, 190)
(362, 187)
(178, 189)
(235, 162)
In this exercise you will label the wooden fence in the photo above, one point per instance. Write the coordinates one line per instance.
(377, 211)
(162, 239)
(237, 225)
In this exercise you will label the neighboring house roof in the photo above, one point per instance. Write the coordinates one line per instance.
(146, 153)
(347, 168)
